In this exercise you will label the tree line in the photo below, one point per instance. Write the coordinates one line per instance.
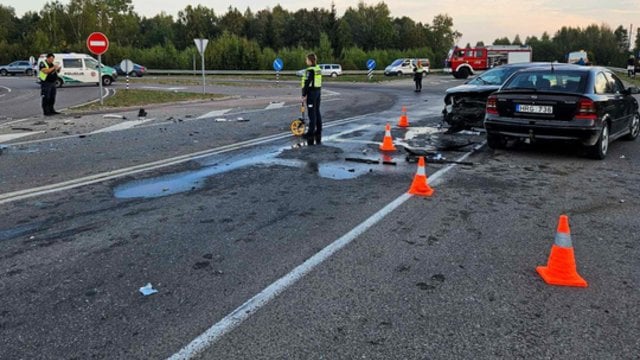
(252, 40)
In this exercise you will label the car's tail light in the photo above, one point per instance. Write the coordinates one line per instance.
(492, 105)
(586, 110)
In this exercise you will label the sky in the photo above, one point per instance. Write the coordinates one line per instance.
(494, 19)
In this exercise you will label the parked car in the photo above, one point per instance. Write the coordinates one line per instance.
(404, 66)
(464, 105)
(138, 70)
(22, 67)
(333, 70)
(589, 105)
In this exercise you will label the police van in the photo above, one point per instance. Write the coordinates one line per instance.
(79, 69)
(404, 66)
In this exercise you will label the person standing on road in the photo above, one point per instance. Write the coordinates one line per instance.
(417, 75)
(631, 66)
(48, 75)
(311, 87)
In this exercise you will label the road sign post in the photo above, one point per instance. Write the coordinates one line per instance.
(126, 65)
(278, 64)
(98, 44)
(201, 44)
(371, 65)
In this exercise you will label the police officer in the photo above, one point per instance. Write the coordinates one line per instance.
(417, 75)
(311, 87)
(48, 75)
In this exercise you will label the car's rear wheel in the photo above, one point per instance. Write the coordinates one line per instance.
(399, 73)
(334, 74)
(133, 74)
(59, 82)
(3, 72)
(634, 128)
(29, 72)
(600, 149)
(496, 141)
(106, 80)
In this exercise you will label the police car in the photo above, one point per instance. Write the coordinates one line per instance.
(78, 68)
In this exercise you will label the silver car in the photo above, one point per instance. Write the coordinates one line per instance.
(17, 68)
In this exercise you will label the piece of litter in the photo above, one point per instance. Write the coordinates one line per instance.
(67, 122)
(148, 290)
(622, 157)
(219, 119)
(622, 201)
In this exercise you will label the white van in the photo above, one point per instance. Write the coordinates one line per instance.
(333, 70)
(404, 66)
(79, 69)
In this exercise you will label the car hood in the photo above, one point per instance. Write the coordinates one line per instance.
(462, 89)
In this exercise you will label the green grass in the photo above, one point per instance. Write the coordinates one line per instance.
(137, 97)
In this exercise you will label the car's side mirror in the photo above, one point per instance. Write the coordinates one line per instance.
(633, 90)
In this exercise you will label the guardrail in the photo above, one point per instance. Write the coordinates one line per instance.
(255, 72)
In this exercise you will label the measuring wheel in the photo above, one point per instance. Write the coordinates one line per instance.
(298, 127)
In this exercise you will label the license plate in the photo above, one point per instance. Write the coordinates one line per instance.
(534, 109)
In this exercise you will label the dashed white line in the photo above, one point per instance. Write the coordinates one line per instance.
(275, 105)
(8, 137)
(122, 126)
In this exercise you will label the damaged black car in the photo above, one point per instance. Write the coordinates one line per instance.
(464, 105)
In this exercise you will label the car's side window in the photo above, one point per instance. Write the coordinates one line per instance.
(615, 84)
(600, 84)
(72, 63)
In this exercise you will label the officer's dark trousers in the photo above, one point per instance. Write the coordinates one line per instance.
(314, 134)
(418, 81)
(48, 93)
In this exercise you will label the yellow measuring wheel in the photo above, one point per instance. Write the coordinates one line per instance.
(298, 126)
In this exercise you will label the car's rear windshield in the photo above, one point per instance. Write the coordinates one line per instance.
(569, 81)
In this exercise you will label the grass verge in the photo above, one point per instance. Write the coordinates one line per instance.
(137, 97)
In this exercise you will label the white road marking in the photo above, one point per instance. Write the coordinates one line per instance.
(9, 137)
(114, 174)
(251, 306)
(8, 90)
(122, 126)
(214, 113)
(329, 92)
(275, 105)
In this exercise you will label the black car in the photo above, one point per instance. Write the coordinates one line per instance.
(589, 105)
(464, 105)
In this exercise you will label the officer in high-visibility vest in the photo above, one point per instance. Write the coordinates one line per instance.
(48, 75)
(311, 87)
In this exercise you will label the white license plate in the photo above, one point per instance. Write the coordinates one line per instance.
(534, 109)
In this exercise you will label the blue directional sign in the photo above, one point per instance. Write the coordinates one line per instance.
(371, 64)
(278, 64)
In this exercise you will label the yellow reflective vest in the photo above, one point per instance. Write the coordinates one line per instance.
(42, 75)
(317, 77)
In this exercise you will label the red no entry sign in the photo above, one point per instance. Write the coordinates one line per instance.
(97, 43)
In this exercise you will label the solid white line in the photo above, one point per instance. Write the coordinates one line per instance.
(244, 311)
(8, 137)
(109, 175)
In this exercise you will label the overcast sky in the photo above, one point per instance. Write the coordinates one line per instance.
(496, 18)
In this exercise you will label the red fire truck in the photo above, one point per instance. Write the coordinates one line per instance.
(462, 62)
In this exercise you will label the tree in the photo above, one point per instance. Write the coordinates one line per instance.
(516, 40)
(325, 51)
(502, 41)
(233, 22)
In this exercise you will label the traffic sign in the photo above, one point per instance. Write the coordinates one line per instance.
(371, 64)
(97, 43)
(126, 65)
(201, 44)
(278, 64)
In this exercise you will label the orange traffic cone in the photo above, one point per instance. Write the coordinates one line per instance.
(561, 267)
(387, 142)
(420, 186)
(404, 120)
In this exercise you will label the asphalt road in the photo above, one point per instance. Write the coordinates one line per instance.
(215, 213)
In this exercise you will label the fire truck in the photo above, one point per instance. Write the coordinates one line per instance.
(462, 62)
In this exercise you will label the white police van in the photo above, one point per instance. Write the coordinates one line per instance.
(79, 69)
